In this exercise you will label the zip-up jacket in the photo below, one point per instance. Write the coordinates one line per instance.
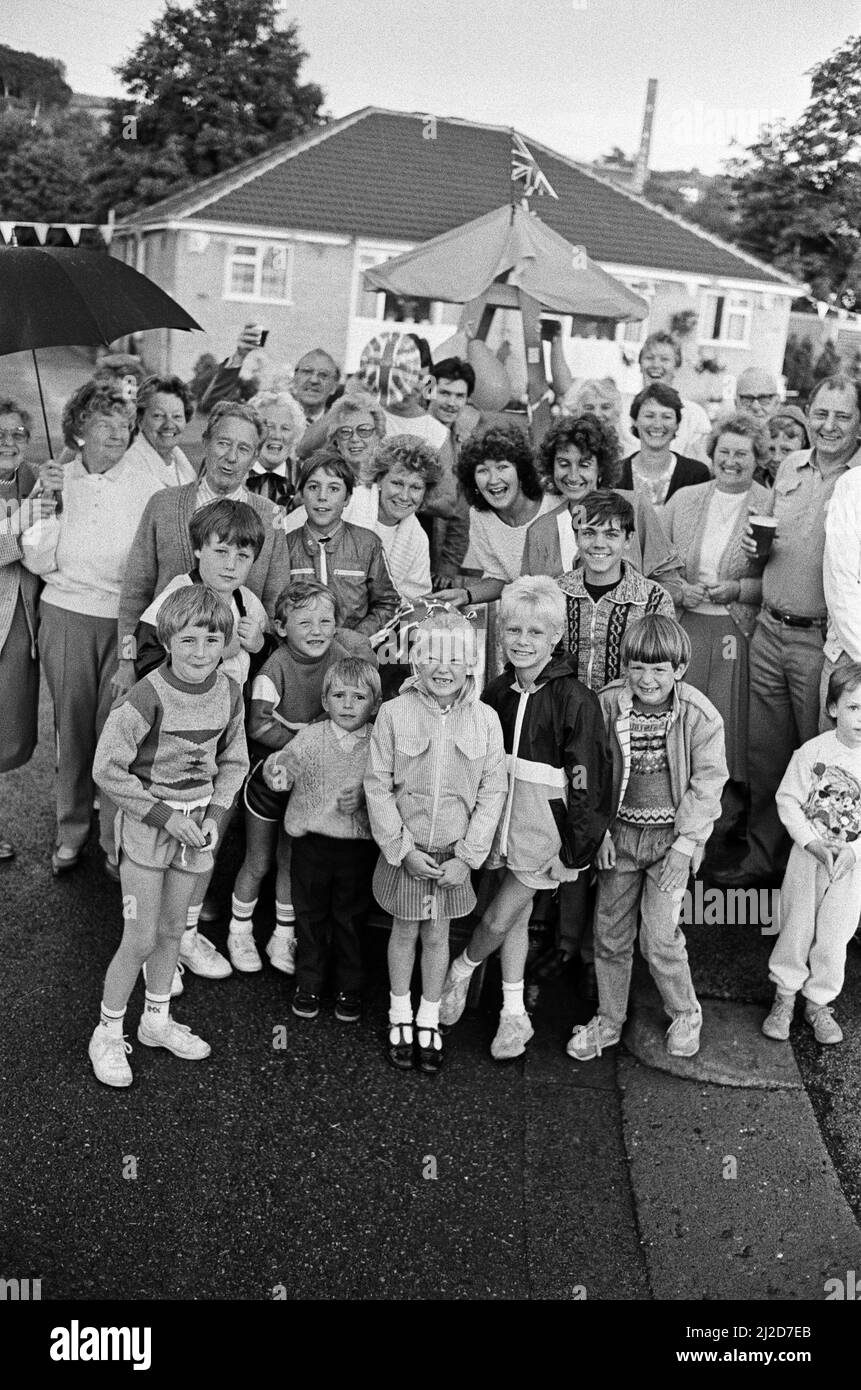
(353, 564)
(696, 757)
(559, 796)
(435, 776)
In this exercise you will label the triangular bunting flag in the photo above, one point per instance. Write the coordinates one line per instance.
(107, 232)
(74, 230)
(41, 229)
(7, 230)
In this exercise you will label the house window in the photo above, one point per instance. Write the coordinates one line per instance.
(259, 272)
(726, 318)
(404, 309)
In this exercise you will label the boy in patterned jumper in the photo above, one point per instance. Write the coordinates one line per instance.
(172, 758)
(819, 802)
(604, 594)
(327, 822)
(669, 768)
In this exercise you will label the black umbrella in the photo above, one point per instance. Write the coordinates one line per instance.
(52, 296)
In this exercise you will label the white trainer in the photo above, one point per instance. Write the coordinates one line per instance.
(512, 1035)
(176, 985)
(108, 1056)
(282, 954)
(243, 953)
(203, 959)
(176, 1037)
(590, 1039)
(453, 1001)
(683, 1034)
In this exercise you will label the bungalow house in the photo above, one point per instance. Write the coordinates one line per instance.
(283, 239)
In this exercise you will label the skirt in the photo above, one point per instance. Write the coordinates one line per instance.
(719, 668)
(19, 694)
(418, 899)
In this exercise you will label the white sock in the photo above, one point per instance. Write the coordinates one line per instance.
(284, 932)
(156, 1009)
(512, 998)
(284, 914)
(428, 1014)
(112, 1021)
(242, 914)
(192, 917)
(188, 938)
(400, 1008)
(462, 967)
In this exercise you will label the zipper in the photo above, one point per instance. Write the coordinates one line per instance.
(515, 747)
(437, 776)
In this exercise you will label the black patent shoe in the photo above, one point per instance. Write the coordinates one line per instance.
(400, 1051)
(348, 1007)
(429, 1059)
(306, 1004)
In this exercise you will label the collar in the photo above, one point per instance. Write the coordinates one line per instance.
(349, 737)
(198, 688)
(631, 587)
(280, 471)
(312, 542)
(78, 471)
(205, 494)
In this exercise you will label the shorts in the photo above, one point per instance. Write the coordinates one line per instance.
(262, 801)
(154, 848)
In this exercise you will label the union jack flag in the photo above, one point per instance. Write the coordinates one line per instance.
(524, 169)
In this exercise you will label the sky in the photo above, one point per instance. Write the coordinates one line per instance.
(570, 73)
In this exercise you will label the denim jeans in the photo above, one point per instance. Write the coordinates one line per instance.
(627, 891)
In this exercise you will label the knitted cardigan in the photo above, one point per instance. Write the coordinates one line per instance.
(14, 578)
(685, 521)
(595, 630)
(162, 549)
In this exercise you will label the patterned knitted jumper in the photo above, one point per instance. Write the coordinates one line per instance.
(648, 796)
(171, 743)
(595, 630)
(328, 766)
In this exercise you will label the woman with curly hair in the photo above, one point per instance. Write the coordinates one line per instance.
(404, 472)
(500, 482)
(577, 456)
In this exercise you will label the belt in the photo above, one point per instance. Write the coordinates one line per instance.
(790, 619)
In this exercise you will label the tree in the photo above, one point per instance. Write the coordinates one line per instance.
(45, 167)
(129, 177)
(29, 81)
(219, 82)
(798, 188)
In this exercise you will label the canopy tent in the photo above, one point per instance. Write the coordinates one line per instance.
(508, 250)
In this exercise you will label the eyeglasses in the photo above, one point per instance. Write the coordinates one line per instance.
(757, 400)
(347, 431)
(15, 436)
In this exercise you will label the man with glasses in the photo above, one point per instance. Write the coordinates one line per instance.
(315, 377)
(756, 394)
(787, 648)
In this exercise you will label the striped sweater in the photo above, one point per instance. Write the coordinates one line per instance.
(170, 742)
(287, 692)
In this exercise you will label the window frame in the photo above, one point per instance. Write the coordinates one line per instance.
(737, 303)
(261, 248)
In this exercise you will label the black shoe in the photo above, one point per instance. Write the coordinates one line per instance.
(400, 1053)
(744, 875)
(306, 1004)
(348, 1007)
(428, 1059)
(111, 870)
(588, 988)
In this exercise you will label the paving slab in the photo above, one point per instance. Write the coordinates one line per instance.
(735, 1194)
(733, 1050)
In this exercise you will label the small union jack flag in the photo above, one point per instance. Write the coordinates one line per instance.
(524, 169)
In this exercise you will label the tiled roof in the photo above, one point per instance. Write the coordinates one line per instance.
(386, 175)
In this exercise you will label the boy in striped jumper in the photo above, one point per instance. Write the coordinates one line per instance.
(333, 854)
(669, 769)
(172, 758)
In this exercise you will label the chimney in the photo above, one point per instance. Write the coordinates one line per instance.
(641, 168)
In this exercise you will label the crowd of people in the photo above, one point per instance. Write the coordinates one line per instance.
(616, 648)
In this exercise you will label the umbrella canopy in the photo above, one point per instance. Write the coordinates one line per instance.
(53, 297)
(514, 247)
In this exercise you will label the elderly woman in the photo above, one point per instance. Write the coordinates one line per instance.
(273, 473)
(19, 665)
(353, 428)
(81, 553)
(164, 408)
(162, 547)
(722, 589)
(654, 470)
(505, 496)
(578, 455)
(788, 431)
